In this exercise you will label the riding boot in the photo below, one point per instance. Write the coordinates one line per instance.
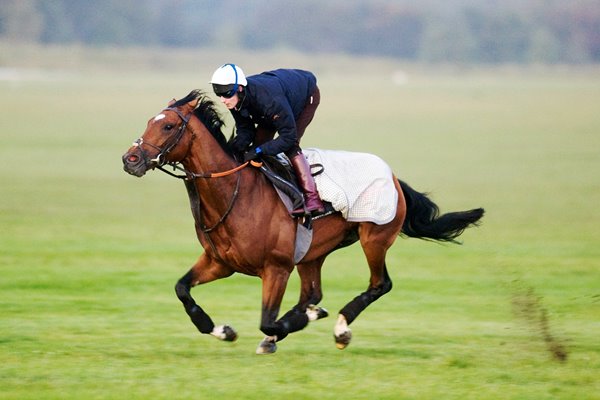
(307, 184)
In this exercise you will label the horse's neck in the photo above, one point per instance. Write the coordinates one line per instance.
(215, 201)
(207, 156)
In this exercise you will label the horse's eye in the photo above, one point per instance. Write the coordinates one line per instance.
(168, 127)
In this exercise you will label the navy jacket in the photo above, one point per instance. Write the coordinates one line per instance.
(274, 100)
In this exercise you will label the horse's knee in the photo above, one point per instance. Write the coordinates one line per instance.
(183, 286)
(182, 289)
(195, 312)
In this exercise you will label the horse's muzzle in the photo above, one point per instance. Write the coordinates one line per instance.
(134, 164)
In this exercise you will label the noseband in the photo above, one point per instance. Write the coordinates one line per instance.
(160, 158)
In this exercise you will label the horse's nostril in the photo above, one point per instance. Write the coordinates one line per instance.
(133, 158)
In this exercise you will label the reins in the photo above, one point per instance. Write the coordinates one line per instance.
(192, 175)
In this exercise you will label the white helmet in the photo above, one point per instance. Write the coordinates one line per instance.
(226, 80)
(229, 74)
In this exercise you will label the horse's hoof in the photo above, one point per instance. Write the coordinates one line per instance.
(267, 346)
(315, 312)
(230, 334)
(341, 333)
(225, 333)
(322, 313)
(343, 340)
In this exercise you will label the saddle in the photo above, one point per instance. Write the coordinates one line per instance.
(278, 170)
(280, 173)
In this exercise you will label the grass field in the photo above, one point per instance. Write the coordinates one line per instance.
(89, 255)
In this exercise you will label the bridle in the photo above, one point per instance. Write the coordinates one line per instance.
(160, 160)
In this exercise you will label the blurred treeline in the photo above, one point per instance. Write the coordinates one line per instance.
(463, 31)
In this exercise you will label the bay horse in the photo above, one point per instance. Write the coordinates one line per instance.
(244, 227)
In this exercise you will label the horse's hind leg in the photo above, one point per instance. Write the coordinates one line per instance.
(375, 240)
(348, 314)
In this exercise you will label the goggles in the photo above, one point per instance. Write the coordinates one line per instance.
(226, 91)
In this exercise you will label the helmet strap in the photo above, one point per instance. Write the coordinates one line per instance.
(235, 85)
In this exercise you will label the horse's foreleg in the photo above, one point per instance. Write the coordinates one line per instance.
(274, 282)
(202, 272)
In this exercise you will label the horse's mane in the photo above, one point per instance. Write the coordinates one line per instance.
(207, 114)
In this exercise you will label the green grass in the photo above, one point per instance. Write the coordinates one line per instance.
(89, 255)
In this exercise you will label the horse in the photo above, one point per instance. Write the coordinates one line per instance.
(245, 228)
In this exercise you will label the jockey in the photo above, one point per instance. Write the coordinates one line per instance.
(282, 101)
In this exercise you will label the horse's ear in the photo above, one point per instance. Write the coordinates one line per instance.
(171, 102)
(192, 104)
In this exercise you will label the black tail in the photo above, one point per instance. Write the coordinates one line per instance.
(423, 219)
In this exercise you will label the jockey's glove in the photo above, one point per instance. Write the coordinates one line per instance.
(252, 154)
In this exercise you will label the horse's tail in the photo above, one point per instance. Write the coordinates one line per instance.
(423, 219)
